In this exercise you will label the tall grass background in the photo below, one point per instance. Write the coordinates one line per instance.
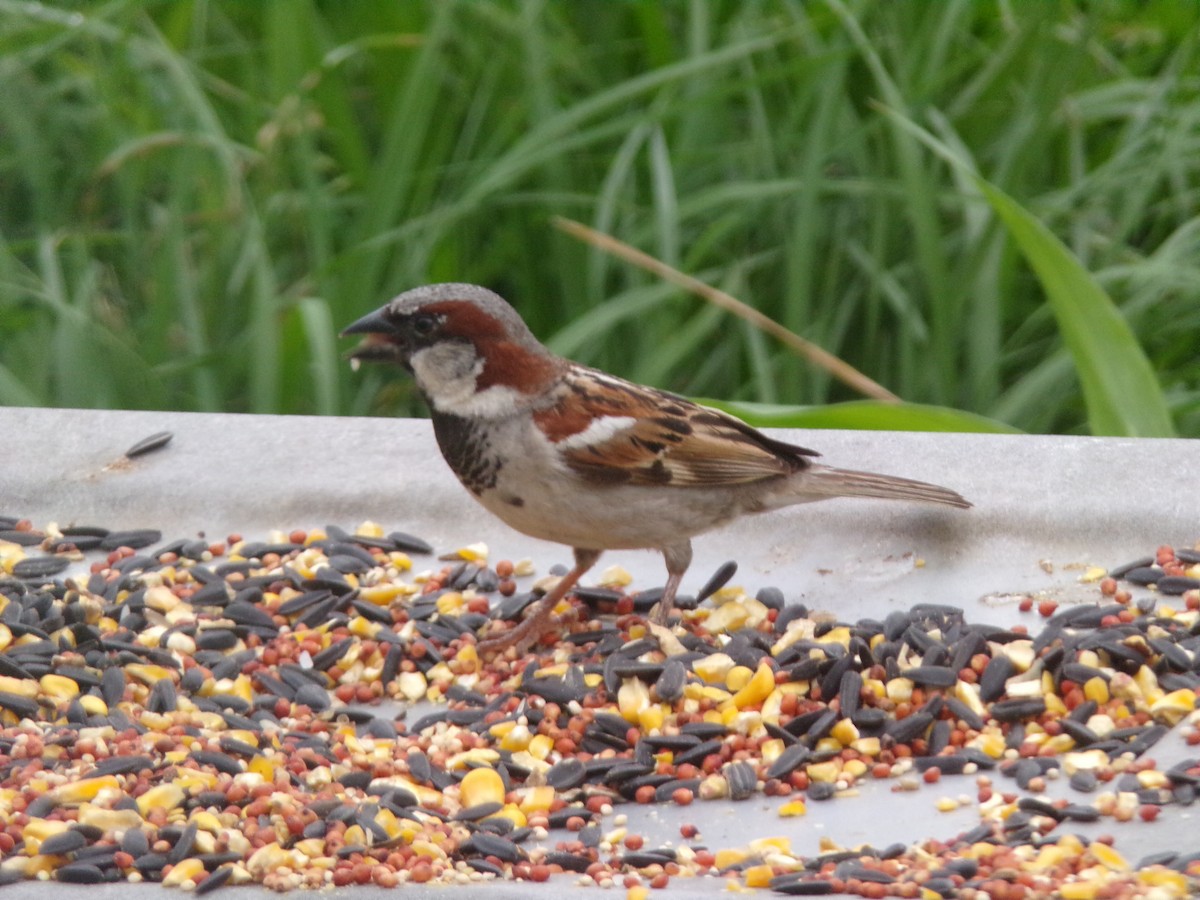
(990, 208)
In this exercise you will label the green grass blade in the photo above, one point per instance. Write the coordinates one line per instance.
(1120, 390)
(863, 415)
(320, 333)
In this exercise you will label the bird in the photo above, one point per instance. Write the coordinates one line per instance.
(573, 455)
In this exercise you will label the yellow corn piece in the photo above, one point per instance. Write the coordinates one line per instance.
(413, 685)
(824, 771)
(537, 799)
(540, 746)
(58, 687)
(845, 732)
(757, 689)
(714, 667)
(183, 872)
(632, 697)
(868, 746)
(86, 789)
(109, 819)
(758, 876)
(1096, 688)
(1079, 890)
(162, 796)
(382, 594)
(899, 689)
(148, 673)
(22, 687)
(481, 786)
(729, 617)
(1108, 857)
(1171, 708)
(37, 830)
(1175, 883)
(513, 813)
(728, 857)
(651, 718)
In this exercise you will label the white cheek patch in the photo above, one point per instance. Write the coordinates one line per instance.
(599, 431)
(447, 373)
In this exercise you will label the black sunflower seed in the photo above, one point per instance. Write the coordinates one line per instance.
(1078, 732)
(719, 579)
(63, 843)
(947, 765)
(120, 765)
(33, 567)
(800, 884)
(1079, 812)
(695, 755)
(741, 778)
(1177, 584)
(215, 879)
(149, 444)
(221, 761)
(23, 707)
(1143, 575)
(789, 760)
(910, 727)
(79, 873)
(1015, 710)
(1123, 570)
(313, 696)
(932, 676)
(135, 539)
(571, 862)
(485, 843)
(995, 677)
(566, 774)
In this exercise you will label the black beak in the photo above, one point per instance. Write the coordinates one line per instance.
(383, 342)
(372, 323)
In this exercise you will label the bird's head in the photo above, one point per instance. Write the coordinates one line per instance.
(469, 351)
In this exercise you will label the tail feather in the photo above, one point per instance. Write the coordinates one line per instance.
(826, 481)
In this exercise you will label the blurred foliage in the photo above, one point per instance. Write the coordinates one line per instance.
(196, 194)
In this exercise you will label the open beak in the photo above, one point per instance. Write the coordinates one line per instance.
(382, 341)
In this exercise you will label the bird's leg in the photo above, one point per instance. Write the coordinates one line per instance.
(526, 634)
(678, 557)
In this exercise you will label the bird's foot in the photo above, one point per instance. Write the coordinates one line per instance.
(524, 635)
(661, 613)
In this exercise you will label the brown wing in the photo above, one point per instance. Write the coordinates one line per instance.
(610, 430)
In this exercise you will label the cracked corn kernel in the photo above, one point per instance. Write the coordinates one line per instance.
(162, 796)
(481, 786)
(1079, 890)
(714, 667)
(756, 689)
(1108, 857)
(1173, 707)
(632, 697)
(758, 876)
(183, 872)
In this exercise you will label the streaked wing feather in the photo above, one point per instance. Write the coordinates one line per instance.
(660, 438)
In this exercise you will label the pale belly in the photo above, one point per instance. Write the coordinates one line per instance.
(515, 475)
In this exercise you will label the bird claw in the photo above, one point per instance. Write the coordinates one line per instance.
(660, 614)
(522, 637)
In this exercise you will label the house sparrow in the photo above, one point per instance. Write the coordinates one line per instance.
(570, 454)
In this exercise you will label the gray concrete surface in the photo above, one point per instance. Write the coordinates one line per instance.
(1045, 508)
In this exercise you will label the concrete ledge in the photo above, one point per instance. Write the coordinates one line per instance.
(1044, 508)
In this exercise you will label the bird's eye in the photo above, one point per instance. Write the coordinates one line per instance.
(424, 325)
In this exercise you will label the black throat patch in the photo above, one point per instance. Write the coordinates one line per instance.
(465, 448)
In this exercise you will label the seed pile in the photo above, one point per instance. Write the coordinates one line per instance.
(208, 713)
